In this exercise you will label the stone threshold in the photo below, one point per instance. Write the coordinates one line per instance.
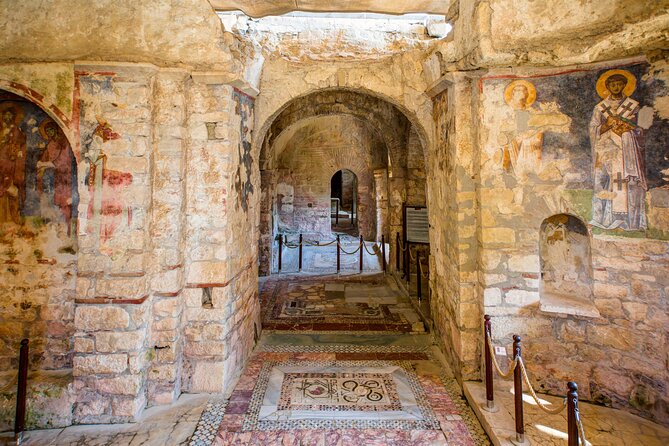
(603, 426)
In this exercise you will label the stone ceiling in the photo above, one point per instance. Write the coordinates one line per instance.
(260, 8)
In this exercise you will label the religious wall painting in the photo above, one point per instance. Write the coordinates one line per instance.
(608, 162)
(619, 164)
(522, 133)
(243, 182)
(38, 175)
(108, 208)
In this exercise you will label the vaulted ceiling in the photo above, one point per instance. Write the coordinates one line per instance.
(260, 8)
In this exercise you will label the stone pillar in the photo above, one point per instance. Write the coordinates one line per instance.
(397, 198)
(381, 191)
(113, 312)
(223, 196)
(168, 235)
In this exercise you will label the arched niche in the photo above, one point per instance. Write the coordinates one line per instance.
(566, 266)
(38, 227)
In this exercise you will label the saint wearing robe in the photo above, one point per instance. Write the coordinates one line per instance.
(617, 154)
(13, 151)
(58, 160)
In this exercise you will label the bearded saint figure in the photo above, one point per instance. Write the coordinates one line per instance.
(13, 150)
(618, 158)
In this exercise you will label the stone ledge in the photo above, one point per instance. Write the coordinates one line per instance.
(554, 303)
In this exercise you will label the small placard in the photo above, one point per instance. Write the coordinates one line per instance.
(500, 351)
(418, 227)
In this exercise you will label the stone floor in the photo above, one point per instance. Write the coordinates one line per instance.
(160, 426)
(359, 389)
(602, 426)
(367, 302)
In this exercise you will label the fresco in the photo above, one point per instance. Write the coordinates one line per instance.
(107, 209)
(37, 166)
(243, 183)
(595, 136)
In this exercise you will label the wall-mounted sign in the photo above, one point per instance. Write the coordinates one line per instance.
(416, 224)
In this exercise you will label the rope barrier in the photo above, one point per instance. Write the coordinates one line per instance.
(351, 253)
(424, 276)
(413, 259)
(581, 431)
(518, 362)
(320, 244)
(370, 253)
(512, 365)
(555, 411)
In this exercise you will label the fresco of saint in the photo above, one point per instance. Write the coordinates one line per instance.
(13, 151)
(57, 161)
(522, 135)
(619, 170)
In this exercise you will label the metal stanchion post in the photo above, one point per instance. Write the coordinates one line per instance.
(489, 390)
(572, 410)
(397, 251)
(419, 277)
(362, 249)
(383, 252)
(518, 393)
(21, 393)
(300, 249)
(280, 249)
(338, 256)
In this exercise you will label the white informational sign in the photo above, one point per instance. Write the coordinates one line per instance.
(417, 225)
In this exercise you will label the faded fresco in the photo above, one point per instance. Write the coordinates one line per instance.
(565, 257)
(594, 136)
(243, 182)
(37, 166)
(38, 227)
(107, 209)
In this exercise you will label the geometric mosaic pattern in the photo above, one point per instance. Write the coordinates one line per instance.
(363, 395)
(210, 421)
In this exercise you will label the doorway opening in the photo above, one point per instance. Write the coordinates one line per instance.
(343, 202)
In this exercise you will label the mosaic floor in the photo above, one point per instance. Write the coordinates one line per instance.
(343, 395)
(365, 303)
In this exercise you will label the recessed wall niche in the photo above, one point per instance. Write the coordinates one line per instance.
(566, 267)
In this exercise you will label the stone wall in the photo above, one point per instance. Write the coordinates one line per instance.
(545, 151)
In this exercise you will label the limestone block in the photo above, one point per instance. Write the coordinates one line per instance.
(84, 345)
(103, 317)
(617, 337)
(504, 236)
(125, 288)
(492, 296)
(207, 272)
(120, 385)
(610, 308)
(208, 377)
(128, 408)
(524, 263)
(111, 342)
(167, 281)
(521, 297)
(609, 290)
(167, 307)
(165, 372)
(635, 310)
(99, 364)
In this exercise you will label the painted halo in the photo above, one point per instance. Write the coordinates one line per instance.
(48, 122)
(531, 92)
(15, 108)
(603, 92)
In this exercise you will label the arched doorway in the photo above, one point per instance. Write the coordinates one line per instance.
(343, 202)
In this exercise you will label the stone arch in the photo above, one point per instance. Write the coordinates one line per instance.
(420, 118)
